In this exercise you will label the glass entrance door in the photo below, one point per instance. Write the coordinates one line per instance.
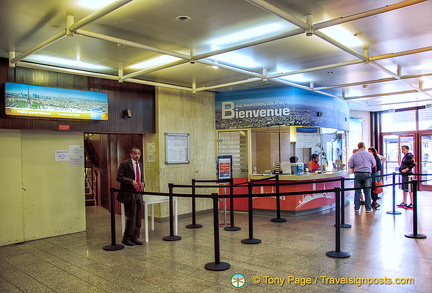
(392, 151)
(425, 164)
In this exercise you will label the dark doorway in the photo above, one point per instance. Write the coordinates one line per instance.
(103, 153)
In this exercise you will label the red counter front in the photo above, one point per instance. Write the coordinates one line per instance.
(303, 202)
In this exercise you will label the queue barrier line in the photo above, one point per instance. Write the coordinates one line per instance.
(217, 265)
(194, 224)
(415, 233)
(337, 253)
(113, 246)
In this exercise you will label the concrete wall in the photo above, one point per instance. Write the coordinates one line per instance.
(182, 112)
(40, 197)
(11, 200)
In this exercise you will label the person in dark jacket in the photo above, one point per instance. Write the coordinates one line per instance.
(131, 178)
(405, 168)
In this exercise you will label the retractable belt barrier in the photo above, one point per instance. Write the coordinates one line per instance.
(217, 265)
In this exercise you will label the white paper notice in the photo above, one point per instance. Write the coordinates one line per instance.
(61, 156)
(76, 155)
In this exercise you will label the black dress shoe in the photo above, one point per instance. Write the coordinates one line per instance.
(128, 242)
(137, 242)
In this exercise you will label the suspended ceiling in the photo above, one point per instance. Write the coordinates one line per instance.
(375, 54)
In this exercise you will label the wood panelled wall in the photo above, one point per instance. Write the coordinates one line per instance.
(139, 98)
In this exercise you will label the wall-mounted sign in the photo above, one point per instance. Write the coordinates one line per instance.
(63, 127)
(306, 130)
(224, 166)
(37, 101)
(283, 106)
(177, 148)
(61, 155)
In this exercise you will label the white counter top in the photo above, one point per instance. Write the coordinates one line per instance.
(306, 177)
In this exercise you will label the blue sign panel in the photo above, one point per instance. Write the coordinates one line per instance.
(306, 130)
(283, 106)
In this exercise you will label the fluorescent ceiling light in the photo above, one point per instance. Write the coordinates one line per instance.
(353, 92)
(236, 59)
(343, 36)
(248, 34)
(424, 67)
(162, 60)
(94, 4)
(66, 62)
(298, 78)
(427, 82)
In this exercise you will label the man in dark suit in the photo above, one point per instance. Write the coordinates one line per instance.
(131, 178)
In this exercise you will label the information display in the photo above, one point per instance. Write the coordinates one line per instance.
(224, 166)
(177, 148)
(37, 101)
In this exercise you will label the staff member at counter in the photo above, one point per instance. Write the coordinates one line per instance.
(313, 163)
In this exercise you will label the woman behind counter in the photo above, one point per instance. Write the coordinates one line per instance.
(313, 163)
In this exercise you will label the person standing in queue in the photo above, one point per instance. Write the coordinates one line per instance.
(376, 172)
(131, 178)
(362, 201)
(313, 163)
(406, 166)
(362, 163)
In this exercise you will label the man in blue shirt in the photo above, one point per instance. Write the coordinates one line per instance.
(362, 163)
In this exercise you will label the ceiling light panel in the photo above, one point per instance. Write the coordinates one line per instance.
(343, 36)
(237, 59)
(74, 63)
(94, 4)
(158, 61)
(248, 34)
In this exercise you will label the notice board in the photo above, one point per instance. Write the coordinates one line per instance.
(177, 148)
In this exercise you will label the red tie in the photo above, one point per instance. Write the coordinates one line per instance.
(137, 177)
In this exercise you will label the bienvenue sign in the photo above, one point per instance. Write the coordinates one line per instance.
(285, 106)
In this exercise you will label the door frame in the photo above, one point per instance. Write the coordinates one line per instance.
(420, 162)
(414, 149)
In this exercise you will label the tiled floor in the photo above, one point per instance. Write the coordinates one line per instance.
(295, 249)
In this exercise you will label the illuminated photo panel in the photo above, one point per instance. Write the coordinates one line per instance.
(47, 102)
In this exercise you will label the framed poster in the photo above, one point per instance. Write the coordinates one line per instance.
(177, 148)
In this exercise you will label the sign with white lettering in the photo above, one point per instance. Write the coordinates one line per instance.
(284, 106)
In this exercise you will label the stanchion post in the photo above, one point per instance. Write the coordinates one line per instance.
(113, 246)
(171, 237)
(216, 265)
(415, 234)
(194, 225)
(393, 212)
(343, 225)
(338, 253)
(250, 240)
(231, 227)
(278, 218)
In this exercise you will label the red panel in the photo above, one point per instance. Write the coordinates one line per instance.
(301, 202)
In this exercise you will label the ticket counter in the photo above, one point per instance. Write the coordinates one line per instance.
(293, 203)
(303, 202)
(278, 131)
